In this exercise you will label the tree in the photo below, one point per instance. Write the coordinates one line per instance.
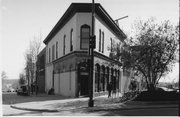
(152, 51)
(31, 58)
(3, 75)
(22, 79)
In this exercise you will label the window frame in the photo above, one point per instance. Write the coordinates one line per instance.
(56, 49)
(53, 52)
(111, 44)
(71, 40)
(99, 40)
(49, 55)
(102, 41)
(64, 44)
(84, 26)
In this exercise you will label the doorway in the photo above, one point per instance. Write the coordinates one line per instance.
(83, 78)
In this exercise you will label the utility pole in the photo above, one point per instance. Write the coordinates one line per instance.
(92, 46)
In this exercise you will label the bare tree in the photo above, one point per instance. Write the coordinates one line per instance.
(22, 80)
(31, 58)
(3, 76)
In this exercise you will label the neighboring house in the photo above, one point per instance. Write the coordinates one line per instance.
(66, 68)
(41, 71)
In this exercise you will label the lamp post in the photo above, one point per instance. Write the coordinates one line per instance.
(91, 63)
(116, 21)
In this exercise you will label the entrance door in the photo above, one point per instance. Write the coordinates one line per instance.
(84, 85)
(83, 78)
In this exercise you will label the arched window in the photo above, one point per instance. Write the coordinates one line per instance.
(71, 40)
(103, 78)
(85, 34)
(107, 75)
(97, 78)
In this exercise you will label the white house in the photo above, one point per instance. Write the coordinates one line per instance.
(67, 44)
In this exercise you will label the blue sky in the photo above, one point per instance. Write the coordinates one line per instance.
(21, 20)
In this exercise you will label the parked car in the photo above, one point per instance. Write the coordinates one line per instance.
(23, 90)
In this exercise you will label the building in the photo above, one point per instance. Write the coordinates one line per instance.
(66, 68)
(41, 71)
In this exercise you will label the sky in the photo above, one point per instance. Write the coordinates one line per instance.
(21, 20)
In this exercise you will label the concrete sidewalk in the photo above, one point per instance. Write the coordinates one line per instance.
(47, 106)
(82, 103)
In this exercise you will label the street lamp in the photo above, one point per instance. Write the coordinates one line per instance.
(92, 45)
(116, 21)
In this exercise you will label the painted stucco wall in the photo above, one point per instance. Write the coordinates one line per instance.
(48, 77)
(75, 23)
(65, 30)
(64, 83)
(108, 33)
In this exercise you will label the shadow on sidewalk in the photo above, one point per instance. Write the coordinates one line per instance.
(13, 98)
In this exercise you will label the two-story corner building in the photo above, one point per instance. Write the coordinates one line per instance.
(67, 52)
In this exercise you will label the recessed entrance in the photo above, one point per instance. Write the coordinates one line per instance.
(83, 77)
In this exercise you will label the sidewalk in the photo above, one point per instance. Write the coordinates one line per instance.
(82, 103)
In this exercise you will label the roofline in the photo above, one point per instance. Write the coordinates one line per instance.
(77, 7)
(43, 51)
(113, 22)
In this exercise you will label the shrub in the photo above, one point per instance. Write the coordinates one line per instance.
(158, 95)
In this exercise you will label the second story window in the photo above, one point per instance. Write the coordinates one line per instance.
(85, 34)
(64, 44)
(53, 50)
(49, 54)
(102, 42)
(99, 40)
(71, 40)
(111, 44)
(56, 50)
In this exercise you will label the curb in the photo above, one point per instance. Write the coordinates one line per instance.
(30, 109)
(57, 110)
(91, 109)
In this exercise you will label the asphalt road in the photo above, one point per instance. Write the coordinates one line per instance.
(146, 112)
(8, 111)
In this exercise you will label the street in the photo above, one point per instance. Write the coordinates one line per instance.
(8, 111)
(13, 98)
(146, 112)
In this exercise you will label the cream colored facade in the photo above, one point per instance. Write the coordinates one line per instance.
(61, 73)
